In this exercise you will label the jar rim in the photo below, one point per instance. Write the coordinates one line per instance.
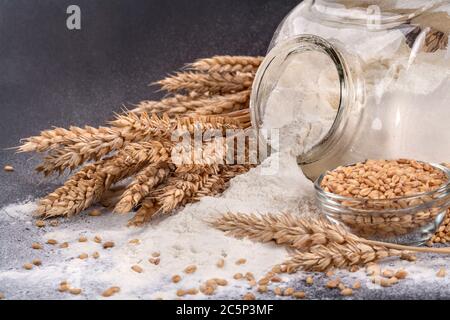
(285, 49)
(443, 192)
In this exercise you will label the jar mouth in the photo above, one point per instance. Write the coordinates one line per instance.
(366, 13)
(271, 71)
(438, 197)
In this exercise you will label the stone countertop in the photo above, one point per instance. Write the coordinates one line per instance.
(55, 77)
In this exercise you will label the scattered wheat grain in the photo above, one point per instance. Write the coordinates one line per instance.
(110, 292)
(299, 295)
(176, 278)
(441, 273)
(83, 256)
(137, 269)
(37, 262)
(249, 296)
(8, 168)
(347, 292)
(108, 245)
(36, 246)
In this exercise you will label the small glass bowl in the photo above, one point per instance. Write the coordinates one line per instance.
(409, 220)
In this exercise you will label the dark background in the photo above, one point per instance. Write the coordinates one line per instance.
(51, 76)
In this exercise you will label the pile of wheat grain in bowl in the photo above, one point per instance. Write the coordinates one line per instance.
(402, 201)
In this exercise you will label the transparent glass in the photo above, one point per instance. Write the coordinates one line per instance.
(379, 69)
(408, 220)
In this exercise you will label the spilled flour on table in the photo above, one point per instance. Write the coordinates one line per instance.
(182, 239)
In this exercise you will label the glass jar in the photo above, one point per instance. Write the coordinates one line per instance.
(357, 80)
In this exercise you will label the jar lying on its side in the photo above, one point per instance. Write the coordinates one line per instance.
(410, 220)
(350, 80)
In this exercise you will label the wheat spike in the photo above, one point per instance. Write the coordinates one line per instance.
(214, 82)
(322, 258)
(227, 64)
(203, 105)
(320, 244)
(127, 127)
(81, 145)
(144, 182)
(285, 229)
(179, 190)
(88, 185)
(145, 213)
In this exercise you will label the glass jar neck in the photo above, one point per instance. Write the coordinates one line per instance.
(275, 66)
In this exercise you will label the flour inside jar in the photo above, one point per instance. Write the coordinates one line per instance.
(303, 103)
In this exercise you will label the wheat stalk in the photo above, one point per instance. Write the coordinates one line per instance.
(88, 185)
(214, 82)
(203, 105)
(144, 182)
(227, 64)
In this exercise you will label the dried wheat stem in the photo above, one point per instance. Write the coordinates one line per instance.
(204, 105)
(144, 182)
(227, 64)
(213, 82)
(88, 185)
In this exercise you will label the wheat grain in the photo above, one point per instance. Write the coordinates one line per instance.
(213, 82)
(227, 64)
(110, 292)
(28, 266)
(37, 262)
(88, 185)
(108, 245)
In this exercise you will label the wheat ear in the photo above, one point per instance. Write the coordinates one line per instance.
(227, 64)
(214, 82)
(285, 229)
(203, 105)
(88, 185)
(147, 210)
(322, 258)
(144, 182)
(81, 145)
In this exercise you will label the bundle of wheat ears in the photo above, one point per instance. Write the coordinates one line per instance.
(210, 94)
